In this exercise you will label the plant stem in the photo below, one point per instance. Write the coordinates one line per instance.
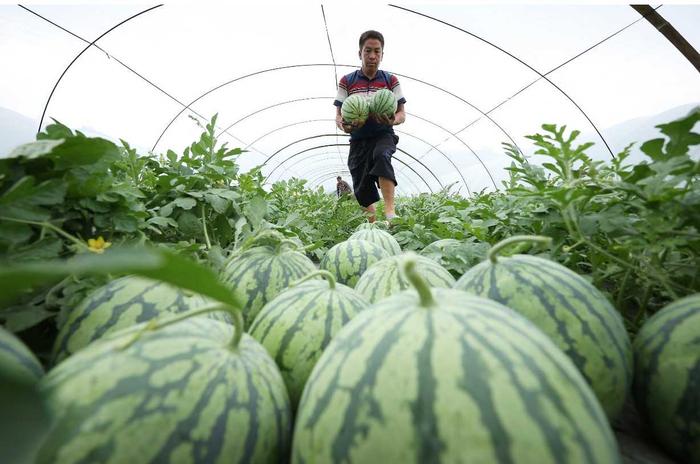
(497, 248)
(321, 272)
(48, 225)
(204, 226)
(426, 296)
(155, 324)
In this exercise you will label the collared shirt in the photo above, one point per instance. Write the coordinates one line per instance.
(357, 82)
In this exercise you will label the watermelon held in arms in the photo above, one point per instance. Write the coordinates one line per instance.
(17, 362)
(195, 390)
(297, 325)
(439, 375)
(261, 269)
(572, 312)
(383, 102)
(348, 260)
(667, 377)
(355, 109)
(121, 303)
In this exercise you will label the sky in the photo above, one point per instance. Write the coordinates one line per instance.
(269, 70)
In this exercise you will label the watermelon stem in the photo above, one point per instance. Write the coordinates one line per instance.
(321, 272)
(424, 293)
(155, 324)
(497, 248)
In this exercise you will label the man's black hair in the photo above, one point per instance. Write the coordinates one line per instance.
(371, 35)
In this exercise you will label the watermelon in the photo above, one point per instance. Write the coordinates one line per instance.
(355, 108)
(381, 237)
(183, 393)
(17, 362)
(371, 225)
(667, 377)
(443, 376)
(385, 277)
(296, 326)
(456, 256)
(259, 273)
(120, 304)
(383, 102)
(348, 260)
(566, 307)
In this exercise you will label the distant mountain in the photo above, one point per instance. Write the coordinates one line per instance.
(639, 129)
(15, 129)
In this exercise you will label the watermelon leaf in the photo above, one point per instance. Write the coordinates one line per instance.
(158, 264)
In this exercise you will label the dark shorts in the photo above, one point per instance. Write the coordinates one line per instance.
(370, 159)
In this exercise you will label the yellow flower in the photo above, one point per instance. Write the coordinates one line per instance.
(98, 245)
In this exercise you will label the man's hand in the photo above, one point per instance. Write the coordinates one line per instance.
(348, 127)
(384, 119)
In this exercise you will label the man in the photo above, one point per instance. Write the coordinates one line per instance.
(373, 143)
(342, 187)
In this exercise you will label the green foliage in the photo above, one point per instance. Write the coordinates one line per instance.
(319, 219)
(633, 230)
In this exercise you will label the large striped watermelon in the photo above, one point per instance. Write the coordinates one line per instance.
(258, 274)
(355, 108)
(575, 315)
(385, 277)
(296, 326)
(17, 362)
(381, 237)
(383, 102)
(120, 304)
(179, 394)
(667, 377)
(348, 260)
(447, 377)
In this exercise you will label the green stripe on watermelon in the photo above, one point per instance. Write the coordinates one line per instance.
(120, 304)
(260, 273)
(348, 260)
(181, 393)
(456, 377)
(297, 325)
(578, 317)
(667, 377)
(380, 237)
(385, 277)
(16, 360)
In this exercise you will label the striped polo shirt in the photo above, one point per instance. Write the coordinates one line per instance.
(357, 82)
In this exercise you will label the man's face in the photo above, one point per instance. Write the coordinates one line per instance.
(371, 54)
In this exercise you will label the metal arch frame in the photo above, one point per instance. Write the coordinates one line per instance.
(432, 146)
(301, 160)
(453, 134)
(315, 181)
(278, 68)
(542, 76)
(397, 130)
(343, 170)
(327, 172)
(335, 144)
(46, 106)
(336, 135)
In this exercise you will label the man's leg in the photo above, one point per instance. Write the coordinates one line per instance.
(387, 188)
(372, 213)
